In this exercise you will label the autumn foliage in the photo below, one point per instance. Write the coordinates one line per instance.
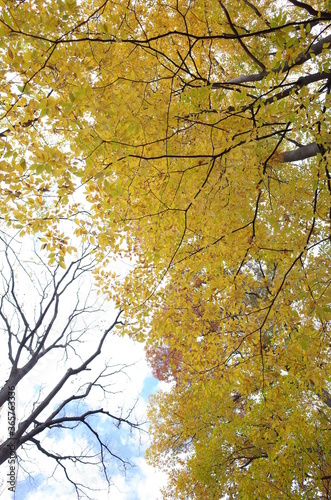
(193, 138)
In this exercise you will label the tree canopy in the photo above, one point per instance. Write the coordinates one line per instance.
(192, 137)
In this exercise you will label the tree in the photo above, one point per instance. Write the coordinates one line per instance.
(200, 134)
(212, 442)
(231, 425)
(44, 319)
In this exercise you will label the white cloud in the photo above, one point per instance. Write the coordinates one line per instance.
(143, 485)
(142, 482)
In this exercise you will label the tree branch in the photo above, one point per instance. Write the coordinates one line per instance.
(301, 153)
(306, 55)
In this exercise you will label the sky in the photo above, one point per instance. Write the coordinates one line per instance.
(131, 383)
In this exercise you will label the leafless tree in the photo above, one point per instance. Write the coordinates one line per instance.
(45, 316)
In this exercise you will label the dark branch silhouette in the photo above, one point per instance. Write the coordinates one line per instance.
(48, 319)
